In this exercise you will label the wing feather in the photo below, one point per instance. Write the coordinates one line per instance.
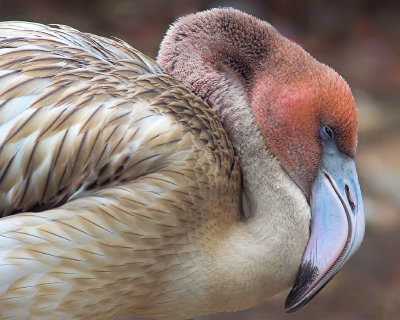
(105, 164)
(63, 91)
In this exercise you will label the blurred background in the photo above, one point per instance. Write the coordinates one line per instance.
(361, 40)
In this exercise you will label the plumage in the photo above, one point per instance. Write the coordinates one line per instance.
(121, 191)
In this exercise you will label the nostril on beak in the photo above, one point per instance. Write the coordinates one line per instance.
(350, 197)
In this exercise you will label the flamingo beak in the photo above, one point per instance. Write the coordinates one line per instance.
(337, 227)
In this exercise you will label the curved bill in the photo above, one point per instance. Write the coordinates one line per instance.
(337, 228)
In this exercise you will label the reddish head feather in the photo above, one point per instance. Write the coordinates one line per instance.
(291, 100)
(290, 93)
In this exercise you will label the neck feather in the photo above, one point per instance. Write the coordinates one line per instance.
(197, 52)
(216, 54)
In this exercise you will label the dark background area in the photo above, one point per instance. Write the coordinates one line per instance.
(361, 40)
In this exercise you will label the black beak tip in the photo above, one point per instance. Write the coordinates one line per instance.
(302, 291)
(289, 304)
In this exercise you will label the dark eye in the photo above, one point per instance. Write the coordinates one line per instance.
(326, 133)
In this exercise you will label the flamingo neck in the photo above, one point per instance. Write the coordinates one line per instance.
(222, 72)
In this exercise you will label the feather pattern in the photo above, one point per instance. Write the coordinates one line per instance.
(104, 162)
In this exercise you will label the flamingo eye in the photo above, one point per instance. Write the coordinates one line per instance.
(326, 133)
